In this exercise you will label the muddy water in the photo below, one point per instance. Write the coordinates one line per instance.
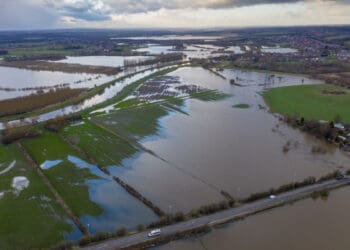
(109, 61)
(119, 207)
(108, 93)
(217, 147)
(305, 225)
(18, 79)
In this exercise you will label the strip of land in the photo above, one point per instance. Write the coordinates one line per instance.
(63, 67)
(141, 240)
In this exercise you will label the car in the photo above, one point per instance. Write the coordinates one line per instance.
(340, 177)
(272, 197)
(154, 233)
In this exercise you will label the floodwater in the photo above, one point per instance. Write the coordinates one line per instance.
(305, 225)
(235, 49)
(23, 82)
(119, 207)
(202, 51)
(109, 61)
(154, 49)
(217, 147)
(108, 93)
(278, 50)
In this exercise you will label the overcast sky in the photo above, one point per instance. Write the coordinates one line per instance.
(44, 14)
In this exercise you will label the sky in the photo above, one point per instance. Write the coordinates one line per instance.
(47, 14)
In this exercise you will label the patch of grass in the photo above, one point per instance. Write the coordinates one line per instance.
(310, 102)
(210, 95)
(241, 106)
(126, 91)
(135, 122)
(32, 219)
(68, 179)
(127, 103)
(107, 149)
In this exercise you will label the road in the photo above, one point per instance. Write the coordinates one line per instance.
(220, 217)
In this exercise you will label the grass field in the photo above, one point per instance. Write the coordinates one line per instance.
(68, 179)
(105, 148)
(32, 218)
(310, 101)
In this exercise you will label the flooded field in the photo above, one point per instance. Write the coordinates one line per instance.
(154, 49)
(95, 197)
(278, 50)
(19, 82)
(180, 143)
(110, 61)
(108, 93)
(179, 139)
(308, 224)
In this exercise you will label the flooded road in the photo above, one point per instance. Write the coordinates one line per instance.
(304, 225)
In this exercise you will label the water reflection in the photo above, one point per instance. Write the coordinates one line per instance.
(305, 225)
(216, 147)
(119, 207)
(109, 61)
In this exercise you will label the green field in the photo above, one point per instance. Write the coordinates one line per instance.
(105, 148)
(31, 218)
(66, 177)
(310, 102)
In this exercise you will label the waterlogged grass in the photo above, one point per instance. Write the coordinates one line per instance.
(105, 148)
(241, 106)
(127, 103)
(137, 122)
(210, 95)
(126, 91)
(32, 218)
(68, 179)
(310, 101)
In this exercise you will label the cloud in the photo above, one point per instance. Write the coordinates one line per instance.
(88, 10)
(139, 6)
(32, 14)
(23, 14)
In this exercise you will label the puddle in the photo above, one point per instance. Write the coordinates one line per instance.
(49, 164)
(12, 165)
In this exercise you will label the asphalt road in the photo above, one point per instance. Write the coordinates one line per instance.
(221, 217)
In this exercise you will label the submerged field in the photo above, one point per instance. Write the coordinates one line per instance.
(179, 138)
(310, 101)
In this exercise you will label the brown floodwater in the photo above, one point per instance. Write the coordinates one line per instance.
(305, 225)
(218, 147)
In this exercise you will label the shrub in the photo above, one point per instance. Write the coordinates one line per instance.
(179, 216)
(85, 240)
(56, 124)
(140, 227)
(121, 232)
(64, 245)
(329, 176)
(14, 133)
